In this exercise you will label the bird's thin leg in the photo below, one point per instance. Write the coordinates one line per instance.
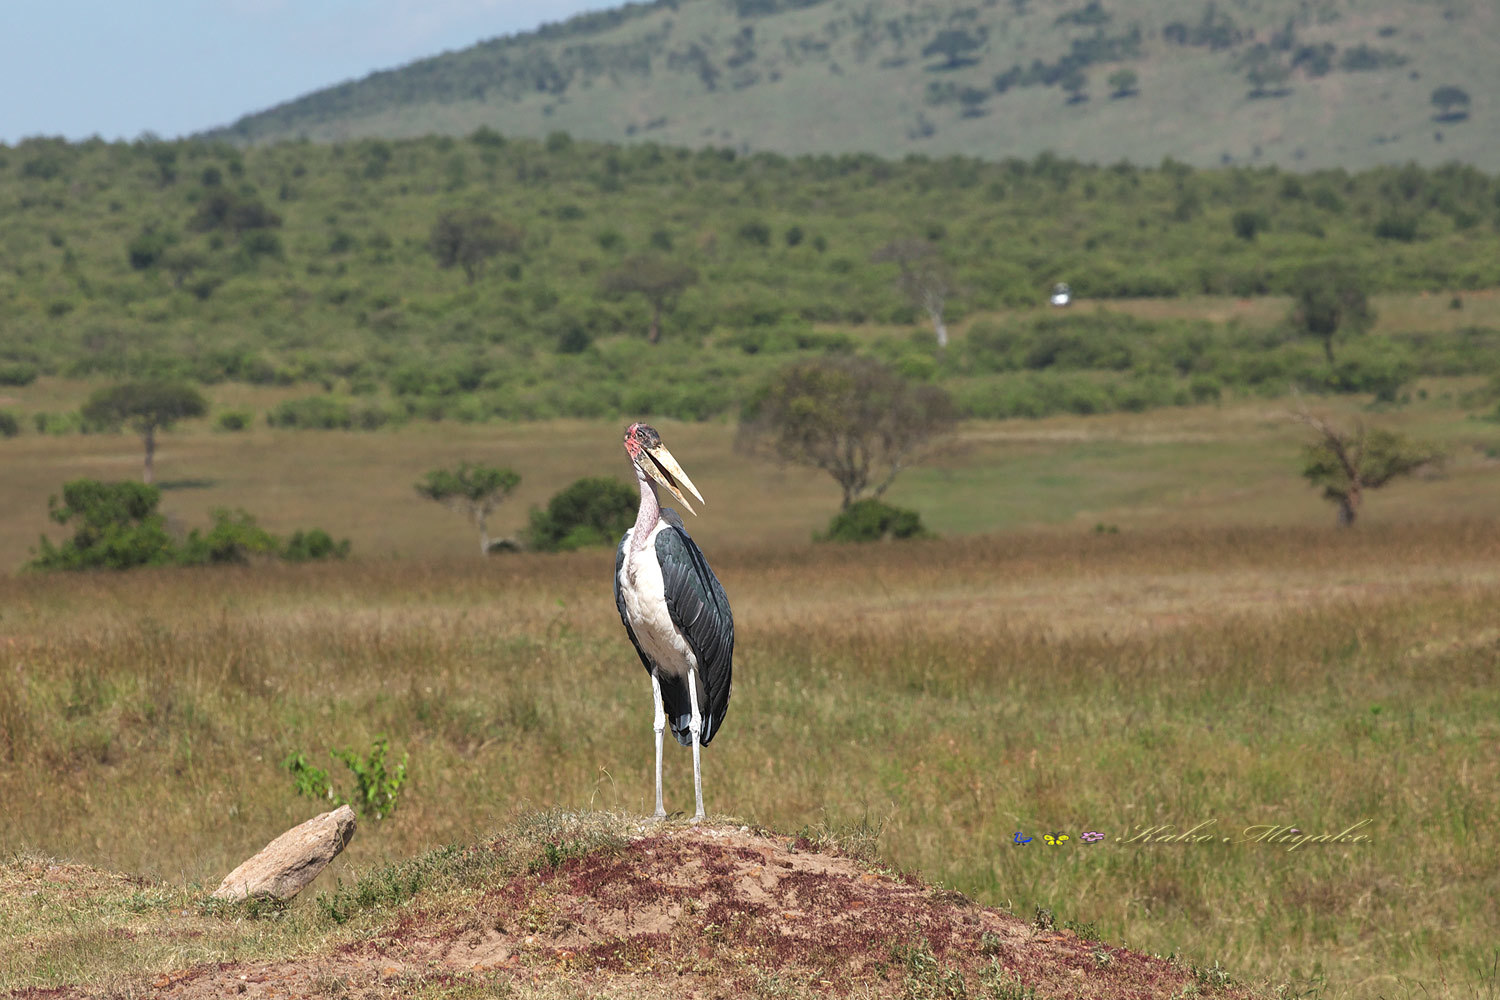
(695, 725)
(659, 725)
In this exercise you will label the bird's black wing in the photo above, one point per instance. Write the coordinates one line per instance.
(699, 607)
(620, 602)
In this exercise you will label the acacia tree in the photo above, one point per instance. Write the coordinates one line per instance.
(1348, 463)
(1328, 299)
(1075, 82)
(1122, 83)
(924, 278)
(468, 239)
(472, 490)
(854, 418)
(1452, 102)
(146, 407)
(659, 279)
(954, 45)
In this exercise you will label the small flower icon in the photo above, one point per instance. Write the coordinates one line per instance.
(1092, 837)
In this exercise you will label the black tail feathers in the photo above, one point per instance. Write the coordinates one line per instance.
(679, 706)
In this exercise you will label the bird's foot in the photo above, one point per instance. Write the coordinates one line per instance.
(698, 818)
(659, 814)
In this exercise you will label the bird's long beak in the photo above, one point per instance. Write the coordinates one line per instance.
(662, 467)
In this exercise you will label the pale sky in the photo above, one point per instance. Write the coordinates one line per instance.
(118, 68)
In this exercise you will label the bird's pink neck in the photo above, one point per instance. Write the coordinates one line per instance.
(648, 515)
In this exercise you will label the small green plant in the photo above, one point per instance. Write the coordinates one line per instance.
(1084, 929)
(310, 781)
(376, 786)
(9, 425)
(926, 975)
(554, 853)
(1002, 984)
(1214, 975)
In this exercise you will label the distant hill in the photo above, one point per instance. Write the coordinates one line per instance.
(1298, 83)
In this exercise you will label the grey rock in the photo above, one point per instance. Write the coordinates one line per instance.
(287, 864)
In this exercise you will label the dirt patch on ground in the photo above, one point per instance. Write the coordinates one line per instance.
(697, 912)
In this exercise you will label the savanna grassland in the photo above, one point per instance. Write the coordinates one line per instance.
(1136, 612)
(1226, 657)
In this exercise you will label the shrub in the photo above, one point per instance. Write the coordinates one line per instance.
(18, 373)
(314, 544)
(1402, 228)
(234, 538)
(148, 248)
(1384, 374)
(234, 420)
(116, 526)
(314, 412)
(592, 511)
(755, 233)
(1205, 389)
(57, 423)
(871, 521)
(9, 425)
(1248, 223)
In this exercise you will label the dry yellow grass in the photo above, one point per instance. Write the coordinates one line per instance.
(1227, 656)
(951, 692)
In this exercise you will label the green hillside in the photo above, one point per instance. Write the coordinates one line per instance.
(1296, 83)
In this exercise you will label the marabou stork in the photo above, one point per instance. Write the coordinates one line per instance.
(674, 609)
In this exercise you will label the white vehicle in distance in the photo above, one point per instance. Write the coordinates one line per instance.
(1061, 294)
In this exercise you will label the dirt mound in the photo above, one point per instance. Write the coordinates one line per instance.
(701, 912)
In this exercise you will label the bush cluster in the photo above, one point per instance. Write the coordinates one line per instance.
(591, 512)
(117, 526)
(871, 520)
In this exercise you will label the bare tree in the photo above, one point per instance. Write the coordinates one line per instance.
(854, 418)
(924, 278)
(659, 279)
(474, 490)
(1347, 463)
